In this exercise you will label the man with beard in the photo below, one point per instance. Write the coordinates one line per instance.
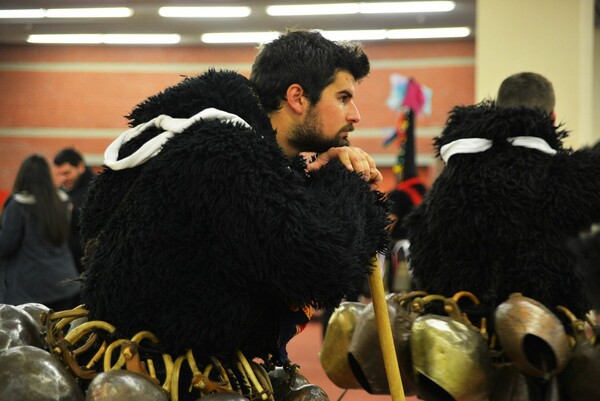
(208, 227)
(311, 110)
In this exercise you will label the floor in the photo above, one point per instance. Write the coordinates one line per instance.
(304, 351)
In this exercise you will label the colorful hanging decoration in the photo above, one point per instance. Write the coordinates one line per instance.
(409, 99)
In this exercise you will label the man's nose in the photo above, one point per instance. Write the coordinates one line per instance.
(58, 179)
(353, 114)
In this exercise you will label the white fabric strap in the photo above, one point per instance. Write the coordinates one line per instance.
(532, 142)
(477, 145)
(153, 147)
(465, 145)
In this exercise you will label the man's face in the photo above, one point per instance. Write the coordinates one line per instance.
(328, 123)
(68, 174)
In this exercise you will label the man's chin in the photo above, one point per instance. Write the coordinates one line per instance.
(337, 144)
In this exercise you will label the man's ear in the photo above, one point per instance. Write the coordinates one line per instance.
(295, 99)
(81, 167)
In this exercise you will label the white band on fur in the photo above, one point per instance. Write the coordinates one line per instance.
(477, 145)
(465, 145)
(532, 142)
(153, 147)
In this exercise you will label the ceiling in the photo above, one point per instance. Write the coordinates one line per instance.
(146, 19)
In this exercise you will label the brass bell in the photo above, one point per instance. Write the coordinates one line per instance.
(450, 359)
(401, 330)
(284, 380)
(30, 373)
(17, 327)
(578, 379)
(123, 385)
(307, 392)
(531, 336)
(36, 311)
(365, 356)
(334, 351)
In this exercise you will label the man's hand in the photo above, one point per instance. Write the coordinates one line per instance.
(355, 159)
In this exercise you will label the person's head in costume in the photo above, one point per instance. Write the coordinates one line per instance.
(527, 89)
(306, 84)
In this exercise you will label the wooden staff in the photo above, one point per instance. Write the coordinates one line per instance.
(384, 329)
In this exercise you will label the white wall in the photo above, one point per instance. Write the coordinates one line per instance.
(552, 37)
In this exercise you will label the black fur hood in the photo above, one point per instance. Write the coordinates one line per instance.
(487, 120)
(227, 91)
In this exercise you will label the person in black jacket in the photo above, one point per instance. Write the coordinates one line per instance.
(33, 241)
(74, 178)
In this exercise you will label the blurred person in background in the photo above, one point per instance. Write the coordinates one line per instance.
(74, 177)
(38, 265)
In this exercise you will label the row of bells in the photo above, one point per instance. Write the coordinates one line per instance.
(529, 356)
(30, 372)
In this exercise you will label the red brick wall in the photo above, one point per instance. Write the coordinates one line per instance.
(57, 96)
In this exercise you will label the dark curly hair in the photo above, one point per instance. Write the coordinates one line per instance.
(306, 58)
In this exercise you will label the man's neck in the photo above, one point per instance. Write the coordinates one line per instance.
(281, 123)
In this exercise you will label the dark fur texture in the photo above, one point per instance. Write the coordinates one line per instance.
(587, 249)
(209, 242)
(498, 222)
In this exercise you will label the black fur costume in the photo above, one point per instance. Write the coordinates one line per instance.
(498, 221)
(210, 242)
